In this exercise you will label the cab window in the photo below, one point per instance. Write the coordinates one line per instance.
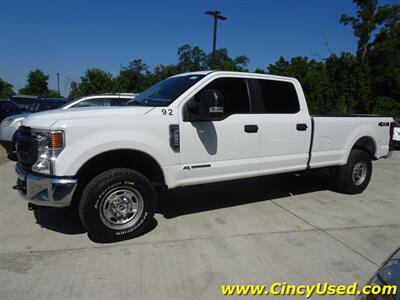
(279, 97)
(235, 95)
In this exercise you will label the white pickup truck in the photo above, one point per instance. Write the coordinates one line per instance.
(189, 129)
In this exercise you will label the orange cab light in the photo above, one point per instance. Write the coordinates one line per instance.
(56, 140)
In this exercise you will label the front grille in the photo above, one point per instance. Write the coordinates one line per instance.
(26, 145)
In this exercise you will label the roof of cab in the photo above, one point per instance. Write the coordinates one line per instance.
(245, 74)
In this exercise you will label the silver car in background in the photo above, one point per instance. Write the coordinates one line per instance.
(10, 125)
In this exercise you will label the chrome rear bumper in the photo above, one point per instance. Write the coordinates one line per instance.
(45, 191)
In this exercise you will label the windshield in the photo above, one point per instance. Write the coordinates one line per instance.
(166, 91)
(32, 107)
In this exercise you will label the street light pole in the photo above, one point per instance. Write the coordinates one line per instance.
(217, 16)
(58, 83)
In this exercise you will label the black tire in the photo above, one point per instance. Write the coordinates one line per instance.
(346, 181)
(95, 207)
(12, 153)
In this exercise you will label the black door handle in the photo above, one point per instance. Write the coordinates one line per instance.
(250, 128)
(301, 127)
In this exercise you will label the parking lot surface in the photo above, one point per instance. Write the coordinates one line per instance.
(258, 231)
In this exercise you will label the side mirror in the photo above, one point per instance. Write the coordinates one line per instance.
(211, 106)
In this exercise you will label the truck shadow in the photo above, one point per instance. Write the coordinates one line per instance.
(62, 220)
(183, 201)
(191, 200)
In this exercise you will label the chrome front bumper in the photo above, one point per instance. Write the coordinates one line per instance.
(45, 191)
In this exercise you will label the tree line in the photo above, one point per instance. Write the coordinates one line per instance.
(365, 82)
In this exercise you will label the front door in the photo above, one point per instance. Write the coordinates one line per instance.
(225, 149)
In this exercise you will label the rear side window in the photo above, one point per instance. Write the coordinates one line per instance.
(8, 107)
(119, 101)
(279, 97)
(23, 103)
(44, 105)
(92, 102)
(234, 91)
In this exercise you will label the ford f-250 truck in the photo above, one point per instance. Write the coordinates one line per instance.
(189, 129)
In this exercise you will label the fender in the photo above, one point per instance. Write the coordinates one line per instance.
(361, 131)
(79, 151)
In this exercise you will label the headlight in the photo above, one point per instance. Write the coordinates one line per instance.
(10, 120)
(49, 145)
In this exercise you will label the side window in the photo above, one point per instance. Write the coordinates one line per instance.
(279, 97)
(43, 106)
(47, 105)
(13, 108)
(112, 102)
(91, 103)
(119, 101)
(234, 91)
(8, 107)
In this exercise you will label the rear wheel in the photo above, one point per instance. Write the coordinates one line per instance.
(354, 177)
(117, 204)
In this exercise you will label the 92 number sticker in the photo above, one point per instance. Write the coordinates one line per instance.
(167, 112)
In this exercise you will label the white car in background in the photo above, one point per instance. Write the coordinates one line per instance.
(396, 136)
(101, 100)
(10, 125)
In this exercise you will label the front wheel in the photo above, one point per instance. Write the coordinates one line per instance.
(354, 176)
(116, 205)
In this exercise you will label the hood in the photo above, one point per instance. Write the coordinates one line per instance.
(47, 118)
(23, 115)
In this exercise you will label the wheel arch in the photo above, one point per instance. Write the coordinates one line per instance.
(367, 144)
(125, 158)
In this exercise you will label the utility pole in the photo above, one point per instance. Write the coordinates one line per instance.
(58, 83)
(217, 16)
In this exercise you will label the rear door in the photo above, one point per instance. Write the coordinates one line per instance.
(224, 149)
(285, 128)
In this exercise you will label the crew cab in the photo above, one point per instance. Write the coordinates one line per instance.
(189, 129)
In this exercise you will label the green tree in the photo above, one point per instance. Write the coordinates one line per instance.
(53, 94)
(311, 74)
(191, 59)
(384, 58)
(387, 106)
(161, 72)
(132, 78)
(369, 18)
(377, 69)
(37, 84)
(95, 81)
(6, 90)
(363, 24)
(259, 70)
(222, 61)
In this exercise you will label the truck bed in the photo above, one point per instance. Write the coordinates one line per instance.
(333, 137)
